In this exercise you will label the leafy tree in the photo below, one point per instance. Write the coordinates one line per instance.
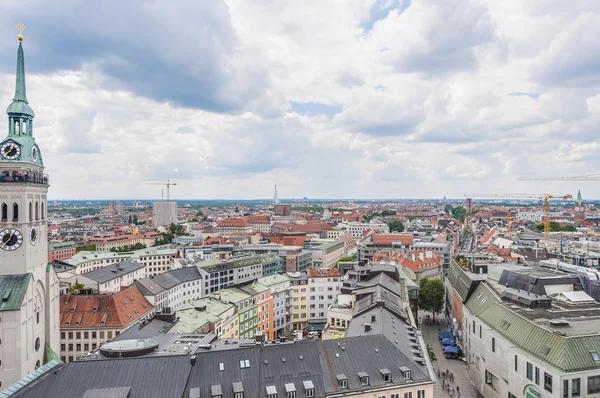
(431, 295)
(76, 286)
(88, 248)
(348, 258)
(130, 220)
(194, 219)
(431, 353)
(556, 227)
(128, 248)
(135, 219)
(396, 226)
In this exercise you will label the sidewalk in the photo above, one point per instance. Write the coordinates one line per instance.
(461, 378)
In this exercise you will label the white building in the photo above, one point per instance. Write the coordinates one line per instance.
(164, 213)
(324, 285)
(156, 260)
(521, 343)
(173, 289)
(114, 277)
(29, 311)
(356, 229)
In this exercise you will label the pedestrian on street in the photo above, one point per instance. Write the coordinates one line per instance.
(443, 384)
(457, 389)
(458, 394)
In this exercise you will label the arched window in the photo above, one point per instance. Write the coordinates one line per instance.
(4, 212)
(24, 127)
(30, 211)
(15, 212)
(43, 210)
(17, 127)
(37, 211)
(37, 317)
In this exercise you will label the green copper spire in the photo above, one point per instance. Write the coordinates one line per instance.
(20, 104)
(579, 199)
(20, 92)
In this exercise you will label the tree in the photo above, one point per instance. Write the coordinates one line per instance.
(556, 227)
(130, 220)
(76, 286)
(431, 353)
(396, 226)
(135, 219)
(431, 295)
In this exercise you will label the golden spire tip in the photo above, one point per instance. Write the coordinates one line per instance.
(20, 28)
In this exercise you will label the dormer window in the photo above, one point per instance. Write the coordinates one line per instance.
(309, 388)
(216, 391)
(387, 375)
(290, 390)
(238, 390)
(271, 392)
(405, 372)
(342, 381)
(364, 378)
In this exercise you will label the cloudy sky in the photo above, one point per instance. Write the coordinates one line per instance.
(326, 99)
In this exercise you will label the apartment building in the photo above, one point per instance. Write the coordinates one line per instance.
(324, 285)
(113, 278)
(172, 289)
(280, 287)
(61, 250)
(326, 253)
(120, 241)
(299, 296)
(260, 223)
(526, 331)
(264, 303)
(357, 229)
(293, 258)
(245, 325)
(234, 225)
(88, 321)
(219, 274)
(156, 260)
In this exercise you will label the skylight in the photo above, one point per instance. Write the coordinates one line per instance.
(595, 355)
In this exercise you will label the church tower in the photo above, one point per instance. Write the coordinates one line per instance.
(579, 216)
(28, 286)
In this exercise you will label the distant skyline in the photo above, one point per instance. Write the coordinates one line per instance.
(325, 99)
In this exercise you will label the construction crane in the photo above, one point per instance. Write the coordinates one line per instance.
(168, 184)
(545, 197)
(589, 177)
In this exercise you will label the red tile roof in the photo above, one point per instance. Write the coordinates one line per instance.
(103, 310)
(233, 222)
(323, 272)
(258, 219)
(388, 239)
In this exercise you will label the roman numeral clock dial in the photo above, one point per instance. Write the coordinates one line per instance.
(10, 239)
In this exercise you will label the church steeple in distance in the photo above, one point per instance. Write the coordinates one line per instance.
(19, 145)
(579, 200)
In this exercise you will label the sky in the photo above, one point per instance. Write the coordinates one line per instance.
(323, 98)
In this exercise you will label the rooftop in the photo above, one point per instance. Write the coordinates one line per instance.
(113, 271)
(86, 256)
(199, 313)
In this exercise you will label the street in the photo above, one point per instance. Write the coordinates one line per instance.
(457, 367)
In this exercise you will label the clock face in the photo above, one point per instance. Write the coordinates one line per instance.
(10, 239)
(33, 235)
(10, 150)
(35, 153)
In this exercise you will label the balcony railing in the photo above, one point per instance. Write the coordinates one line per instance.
(25, 178)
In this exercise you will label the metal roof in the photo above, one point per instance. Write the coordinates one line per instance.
(12, 291)
(113, 271)
(568, 353)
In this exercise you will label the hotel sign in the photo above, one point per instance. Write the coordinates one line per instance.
(531, 391)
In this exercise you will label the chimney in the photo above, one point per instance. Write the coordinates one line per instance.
(193, 360)
(367, 327)
(422, 256)
(413, 256)
(429, 254)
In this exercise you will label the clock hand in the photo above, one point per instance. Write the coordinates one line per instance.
(8, 240)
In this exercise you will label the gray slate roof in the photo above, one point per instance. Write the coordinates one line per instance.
(152, 377)
(110, 272)
(172, 278)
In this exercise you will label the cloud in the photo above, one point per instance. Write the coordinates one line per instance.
(323, 98)
(189, 54)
